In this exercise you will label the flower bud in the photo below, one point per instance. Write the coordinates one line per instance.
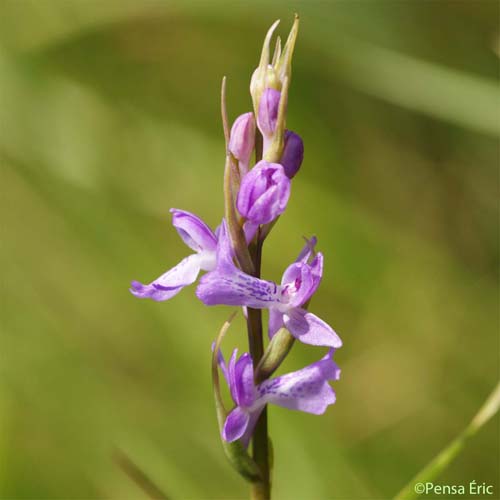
(264, 193)
(293, 153)
(242, 139)
(268, 111)
(264, 75)
(272, 73)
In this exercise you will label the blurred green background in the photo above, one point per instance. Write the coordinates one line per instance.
(109, 116)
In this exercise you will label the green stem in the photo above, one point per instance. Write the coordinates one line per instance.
(439, 463)
(260, 441)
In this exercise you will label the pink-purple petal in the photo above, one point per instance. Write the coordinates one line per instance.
(297, 283)
(309, 329)
(268, 111)
(293, 153)
(193, 231)
(242, 139)
(307, 251)
(264, 193)
(235, 425)
(317, 272)
(142, 291)
(237, 289)
(252, 421)
(232, 374)
(228, 285)
(243, 381)
(305, 390)
(272, 203)
(275, 322)
(171, 282)
(250, 230)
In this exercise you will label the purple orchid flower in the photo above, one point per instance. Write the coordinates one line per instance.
(197, 236)
(306, 390)
(264, 193)
(229, 285)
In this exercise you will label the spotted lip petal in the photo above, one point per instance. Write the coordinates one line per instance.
(193, 231)
(228, 285)
(238, 289)
(305, 390)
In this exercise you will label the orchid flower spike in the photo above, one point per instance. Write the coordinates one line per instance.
(305, 390)
(197, 236)
(229, 285)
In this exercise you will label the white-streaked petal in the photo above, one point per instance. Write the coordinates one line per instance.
(171, 282)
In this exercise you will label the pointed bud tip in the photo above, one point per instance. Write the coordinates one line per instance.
(264, 58)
